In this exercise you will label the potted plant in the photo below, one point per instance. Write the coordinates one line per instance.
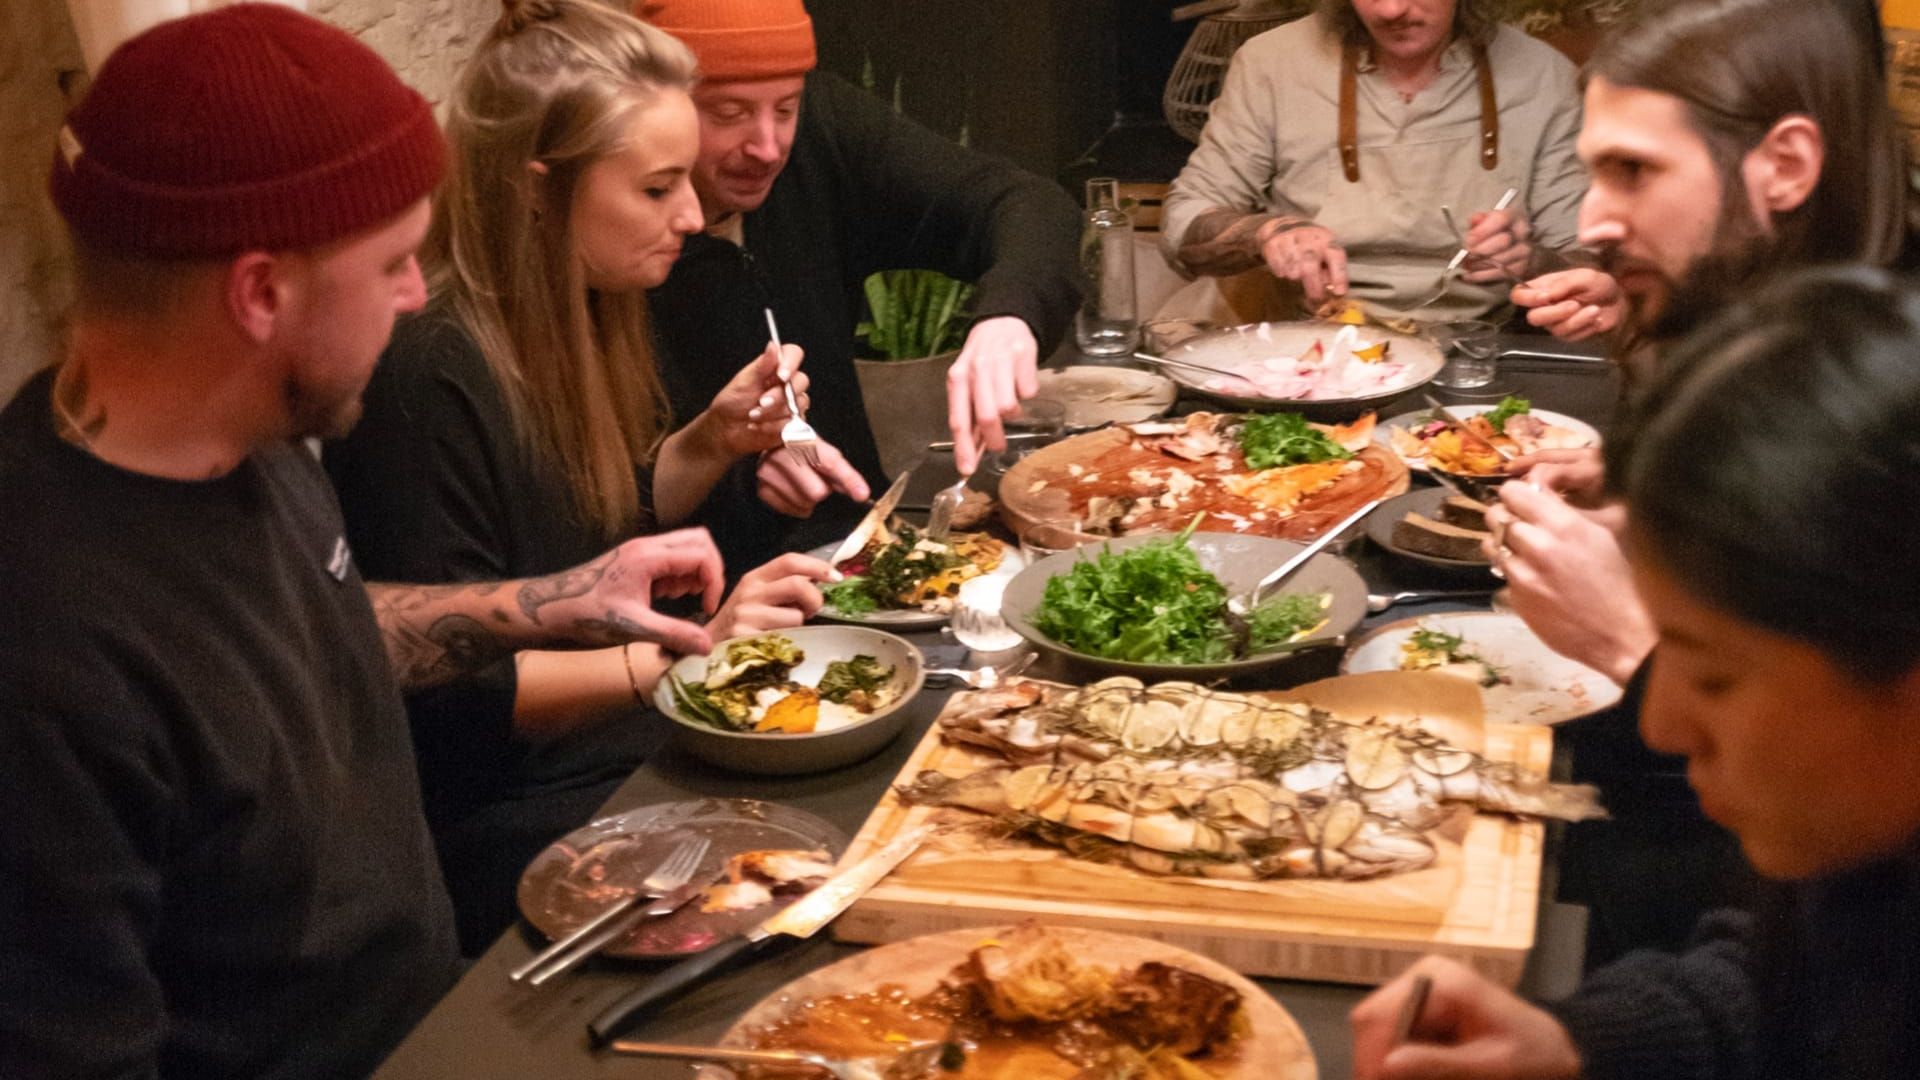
(916, 324)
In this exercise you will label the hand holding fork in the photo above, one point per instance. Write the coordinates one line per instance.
(796, 434)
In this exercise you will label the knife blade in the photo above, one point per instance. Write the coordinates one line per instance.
(800, 919)
(665, 904)
(1460, 426)
(882, 507)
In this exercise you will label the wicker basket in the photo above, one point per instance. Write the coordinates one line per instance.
(1196, 76)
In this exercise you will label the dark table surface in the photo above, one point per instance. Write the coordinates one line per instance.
(487, 1027)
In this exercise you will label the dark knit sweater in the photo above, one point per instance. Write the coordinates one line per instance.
(863, 190)
(1823, 982)
(436, 487)
(213, 862)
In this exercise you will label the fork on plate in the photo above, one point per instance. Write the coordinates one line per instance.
(673, 873)
(912, 1063)
(940, 514)
(796, 434)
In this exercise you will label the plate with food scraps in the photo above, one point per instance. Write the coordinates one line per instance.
(1155, 606)
(1434, 526)
(1098, 394)
(1317, 366)
(1522, 681)
(793, 701)
(1512, 424)
(761, 857)
(902, 581)
(1035, 1002)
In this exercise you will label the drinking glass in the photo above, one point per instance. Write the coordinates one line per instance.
(976, 621)
(1038, 423)
(1471, 347)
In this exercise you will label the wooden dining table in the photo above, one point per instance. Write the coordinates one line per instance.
(488, 1027)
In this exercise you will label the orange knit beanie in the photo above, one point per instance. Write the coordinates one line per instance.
(738, 39)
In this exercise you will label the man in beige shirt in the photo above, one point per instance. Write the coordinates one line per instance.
(1446, 108)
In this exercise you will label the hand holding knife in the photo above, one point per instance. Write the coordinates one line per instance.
(800, 919)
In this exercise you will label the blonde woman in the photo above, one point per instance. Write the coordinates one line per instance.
(517, 426)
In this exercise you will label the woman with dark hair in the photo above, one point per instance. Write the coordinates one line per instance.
(1336, 140)
(1773, 486)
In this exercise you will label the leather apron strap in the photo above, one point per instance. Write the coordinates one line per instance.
(1350, 112)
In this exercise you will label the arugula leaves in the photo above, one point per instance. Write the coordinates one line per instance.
(1508, 408)
(1270, 440)
(1156, 604)
(855, 682)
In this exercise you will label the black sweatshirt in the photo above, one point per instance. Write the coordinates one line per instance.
(213, 862)
(863, 190)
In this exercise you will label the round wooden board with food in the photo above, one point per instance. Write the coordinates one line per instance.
(1118, 988)
(1157, 475)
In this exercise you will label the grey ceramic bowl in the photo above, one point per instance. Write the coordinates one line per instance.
(776, 754)
(1239, 562)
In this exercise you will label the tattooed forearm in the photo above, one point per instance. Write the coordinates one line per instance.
(1221, 242)
(435, 633)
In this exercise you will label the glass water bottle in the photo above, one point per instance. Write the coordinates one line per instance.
(1108, 325)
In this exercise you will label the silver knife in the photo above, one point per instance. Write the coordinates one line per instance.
(882, 507)
(1460, 425)
(800, 919)
(618, 928)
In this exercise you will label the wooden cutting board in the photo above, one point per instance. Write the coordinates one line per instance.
(1478, 903)
(1055, 482)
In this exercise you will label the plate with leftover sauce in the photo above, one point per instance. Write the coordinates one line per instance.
(1520, 678)
(762, 857)
(1512, 424)
(1314, 364)
(1034, 1002)
(1097, 394)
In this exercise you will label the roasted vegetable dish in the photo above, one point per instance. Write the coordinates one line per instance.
(899, 569)
(750, 688)
(1427, 649)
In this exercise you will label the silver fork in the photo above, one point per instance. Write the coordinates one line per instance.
(910, 1064)
(1460, 256)
(985, 678)
(796, 434)
(673, 872)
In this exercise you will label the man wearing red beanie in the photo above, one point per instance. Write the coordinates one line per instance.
(213, 861)
(808, 185)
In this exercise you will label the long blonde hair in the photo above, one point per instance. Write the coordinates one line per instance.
(555, 82)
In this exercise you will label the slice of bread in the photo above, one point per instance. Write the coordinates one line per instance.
(1422, 534)
(1458, 510)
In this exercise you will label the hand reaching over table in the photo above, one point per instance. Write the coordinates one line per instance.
(1468, 1026)
(1498, 247)
(1308, 254)
(1573, 305)
(794, 488)
(775, 596)
(1577, 475)
(1569, 580)
(993, 373)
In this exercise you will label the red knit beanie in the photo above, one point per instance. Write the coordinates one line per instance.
(251, 127)
(738, 39)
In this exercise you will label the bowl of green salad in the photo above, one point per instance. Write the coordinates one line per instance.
(1155, 606)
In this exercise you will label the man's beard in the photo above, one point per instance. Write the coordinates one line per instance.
(321, 417)
(1739, 254)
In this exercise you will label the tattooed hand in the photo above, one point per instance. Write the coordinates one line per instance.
(609, 601)
(437, 632)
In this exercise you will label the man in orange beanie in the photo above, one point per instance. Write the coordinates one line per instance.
(214, 862)
(808, 185)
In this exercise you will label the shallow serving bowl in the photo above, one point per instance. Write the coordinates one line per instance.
(778, 754)
(1239, 561)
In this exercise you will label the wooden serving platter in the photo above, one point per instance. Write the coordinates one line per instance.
(1478, 903)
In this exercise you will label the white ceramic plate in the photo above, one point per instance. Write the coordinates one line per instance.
(1245, 348)
(1547, 688)
(1097, 394)
(1011, 563)
(1415, 419)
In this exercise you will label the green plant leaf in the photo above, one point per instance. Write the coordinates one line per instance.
(915, 313)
